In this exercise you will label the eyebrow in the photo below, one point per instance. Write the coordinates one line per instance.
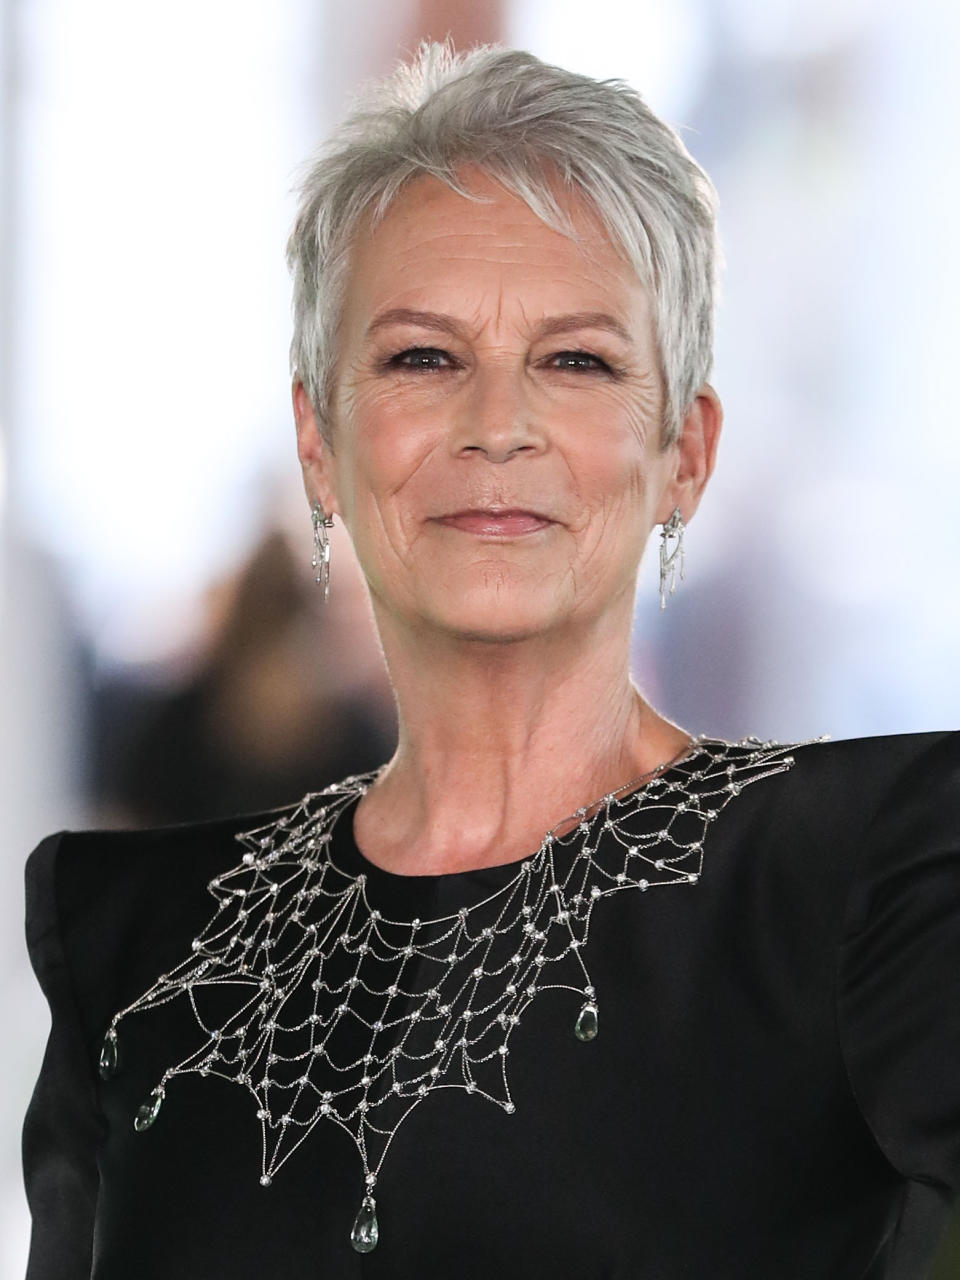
(441, 323)
(584, 320)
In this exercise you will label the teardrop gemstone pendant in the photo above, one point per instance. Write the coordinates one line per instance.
(148, 1111)
(587, 1025)
(366, 1229)
(109, 1055)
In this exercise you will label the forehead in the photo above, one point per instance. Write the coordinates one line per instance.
(438, 249)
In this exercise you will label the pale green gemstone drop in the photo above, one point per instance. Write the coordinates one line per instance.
(148, 1112)
(366, 1229)
(587, 1025)
(109, 1056)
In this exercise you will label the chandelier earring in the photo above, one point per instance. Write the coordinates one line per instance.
(671, 555)
(321, 548)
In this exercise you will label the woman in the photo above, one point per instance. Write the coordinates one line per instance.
(485, 1049)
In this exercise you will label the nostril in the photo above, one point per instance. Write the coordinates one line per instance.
(498, 455)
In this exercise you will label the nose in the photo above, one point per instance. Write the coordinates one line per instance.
(495, 417)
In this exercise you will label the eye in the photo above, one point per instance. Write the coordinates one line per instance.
(429, 359)
(579, 362)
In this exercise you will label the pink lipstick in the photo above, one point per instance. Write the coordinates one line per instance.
(496, 524)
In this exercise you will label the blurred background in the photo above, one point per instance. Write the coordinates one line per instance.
(163, 652)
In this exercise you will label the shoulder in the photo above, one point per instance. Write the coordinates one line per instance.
(106, 908)
(842, 805)
(863, 776)
(71, 869)
(885, 755)
(881, 815)
(898, 958)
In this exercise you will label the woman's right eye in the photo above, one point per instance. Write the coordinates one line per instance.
(426, 358)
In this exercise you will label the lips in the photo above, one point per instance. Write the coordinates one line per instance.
(512, 523)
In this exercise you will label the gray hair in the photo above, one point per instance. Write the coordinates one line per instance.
(524, 123)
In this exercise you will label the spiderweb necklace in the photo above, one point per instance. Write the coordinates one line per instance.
(327, 1009)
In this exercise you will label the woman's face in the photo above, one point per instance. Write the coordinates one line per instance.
(495, 424)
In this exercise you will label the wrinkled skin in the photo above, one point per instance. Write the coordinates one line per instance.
(487, 361)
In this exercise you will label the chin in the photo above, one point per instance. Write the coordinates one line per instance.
(506, 614)
(487, 635)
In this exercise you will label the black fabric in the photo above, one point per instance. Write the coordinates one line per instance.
(774, 1092)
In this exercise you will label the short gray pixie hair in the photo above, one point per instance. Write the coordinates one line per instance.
(525, 124)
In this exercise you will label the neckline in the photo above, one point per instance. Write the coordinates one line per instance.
(349, 856)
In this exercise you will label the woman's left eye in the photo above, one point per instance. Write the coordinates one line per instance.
(579, 361)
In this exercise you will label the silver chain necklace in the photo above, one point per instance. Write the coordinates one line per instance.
(327, 1009)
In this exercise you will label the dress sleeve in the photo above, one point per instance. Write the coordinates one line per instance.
(898, 994)
(62, 1128)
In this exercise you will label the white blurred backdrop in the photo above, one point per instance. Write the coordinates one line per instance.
(146, 442)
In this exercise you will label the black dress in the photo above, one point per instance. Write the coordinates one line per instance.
(774, 1092)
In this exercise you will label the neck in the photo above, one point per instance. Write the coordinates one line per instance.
(499, 742)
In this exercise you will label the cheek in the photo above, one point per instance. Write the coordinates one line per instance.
(609, 457)
(383, 466)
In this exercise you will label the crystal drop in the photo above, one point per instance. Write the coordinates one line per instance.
(366, 1229)
(109, 1056)
(148, 1112)
(586, 1028)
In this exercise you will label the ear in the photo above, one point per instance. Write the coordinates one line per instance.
(316, 457)
(695, 453)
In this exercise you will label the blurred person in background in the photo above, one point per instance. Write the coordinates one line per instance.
(563, 988)
(240, 733)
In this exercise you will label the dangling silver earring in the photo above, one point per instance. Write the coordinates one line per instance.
(321, 548)
(671, 557)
